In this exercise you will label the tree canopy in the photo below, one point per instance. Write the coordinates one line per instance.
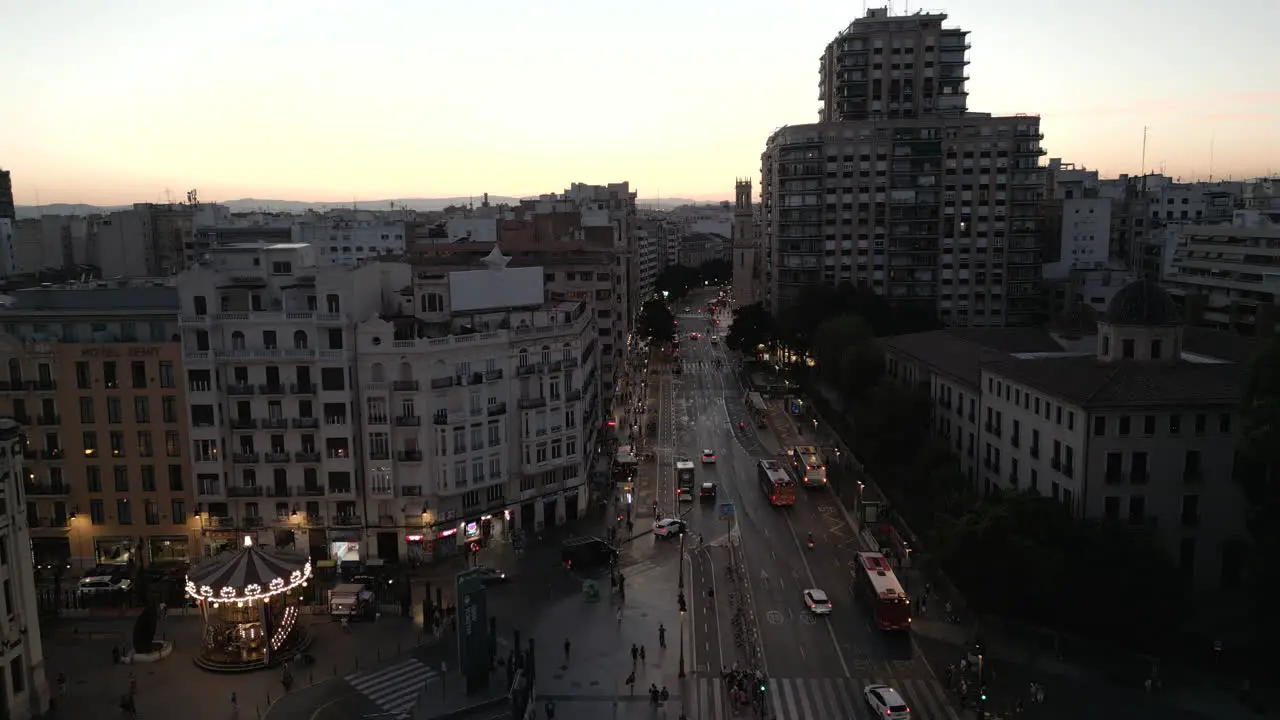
(799, 322)
(847, 356)
(657, 323)
(677, 280)
(752, 326)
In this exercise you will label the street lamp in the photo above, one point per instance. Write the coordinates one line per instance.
(683, 607)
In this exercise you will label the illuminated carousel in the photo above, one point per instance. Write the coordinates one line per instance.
(249, 604)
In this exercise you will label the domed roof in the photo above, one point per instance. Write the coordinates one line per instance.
(1143, 302)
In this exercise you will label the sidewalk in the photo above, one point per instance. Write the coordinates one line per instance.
(175, 686)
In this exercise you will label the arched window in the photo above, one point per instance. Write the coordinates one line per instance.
(15, 370)
(546, 355)
(331, 303)
(524, 357)
(566, 352)
(378, 373)
(237, 340)
(299, 340)
(406, 372)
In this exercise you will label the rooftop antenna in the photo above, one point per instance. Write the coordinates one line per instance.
(1145, 129)
(1211, 140)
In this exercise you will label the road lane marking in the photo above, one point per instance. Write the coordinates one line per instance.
(813, 583)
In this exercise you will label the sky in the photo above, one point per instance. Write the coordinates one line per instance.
(326, 101)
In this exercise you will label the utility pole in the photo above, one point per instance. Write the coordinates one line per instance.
(683, 607)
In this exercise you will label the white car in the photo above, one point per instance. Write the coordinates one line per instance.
(708, 456)
(886, 702)
(817, 601)
(103, 584)
(715, 339)
(668, 527)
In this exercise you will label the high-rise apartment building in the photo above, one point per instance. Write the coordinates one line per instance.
(24, 684)
(94, 374)
(900, 189)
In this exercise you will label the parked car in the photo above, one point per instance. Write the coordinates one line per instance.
(103, 584)
(668, 527)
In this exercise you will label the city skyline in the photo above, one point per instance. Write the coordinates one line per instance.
(676, 117)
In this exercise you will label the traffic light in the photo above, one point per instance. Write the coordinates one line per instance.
(982, 694)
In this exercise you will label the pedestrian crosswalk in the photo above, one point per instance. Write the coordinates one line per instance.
(395, 688)
(824, 698)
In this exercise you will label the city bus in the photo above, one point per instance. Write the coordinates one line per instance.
(876, 581)
(684, 481)
(807, 467)
(776, 483)
(756, 408)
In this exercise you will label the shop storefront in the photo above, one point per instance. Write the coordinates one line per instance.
(114, 551)
(168, 549)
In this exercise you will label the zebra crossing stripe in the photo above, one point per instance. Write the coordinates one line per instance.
(395, 688)
(824, 698)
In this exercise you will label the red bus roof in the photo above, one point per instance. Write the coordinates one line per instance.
(883, 580)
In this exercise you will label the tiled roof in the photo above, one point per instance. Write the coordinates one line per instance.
(946, 353)
(1010, 340)
(1219, 344)
(1091, 383)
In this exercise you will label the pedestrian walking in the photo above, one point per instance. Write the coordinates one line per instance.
(619, 616)
(662, 635)
(635, 654)
(566, 651)
(235, 704)
(641, 653)
(1039, 694)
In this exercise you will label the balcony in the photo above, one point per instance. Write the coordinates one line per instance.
(239, 390)
(525, 370)
(279, 492)
(570, 363)
(340, 490)
(49, 420)
(408, 421)
(305, 423)
(346, 520)
(278, 457)
(311, 491)
(245, 458)
(532, 403)
(243, 424)
(441, 383)
(209, 489)
(51, 454)
(409, 456)
(410, 491)
(43, 385)
(492, 375)
(497, 409)
(307, 456)
(302, 388)
(269, 389)
(274, 424)
(253, 521)
(377, 420)
(244, 491)
(380, 454)
(441, 417)
(218, 522)
(48, 489)
(405, 385)
(574, 396)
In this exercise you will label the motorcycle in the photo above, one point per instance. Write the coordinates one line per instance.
(810, 542)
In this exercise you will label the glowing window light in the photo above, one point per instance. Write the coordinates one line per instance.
(252, 591)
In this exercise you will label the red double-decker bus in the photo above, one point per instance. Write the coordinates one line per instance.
(889, 604)
(776, 484)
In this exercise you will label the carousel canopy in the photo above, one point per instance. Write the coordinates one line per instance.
(250, 574)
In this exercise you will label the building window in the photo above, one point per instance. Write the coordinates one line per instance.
(124, 512)
(169, 408)
(142, 410)
(175, 478)
(166, 373)
(138, 374)
(109, 378)
(83, 379)
(97, 512)
(114, 415)
(1126, 348)
(17, 673)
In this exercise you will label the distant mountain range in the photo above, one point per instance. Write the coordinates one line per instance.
(293, 206)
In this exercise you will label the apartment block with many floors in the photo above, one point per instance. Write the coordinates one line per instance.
(475, 396)
(94, 373)
(24, 684)
(900, 188)
(268, 343)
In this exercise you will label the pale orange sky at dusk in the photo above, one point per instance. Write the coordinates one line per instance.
(111, 103)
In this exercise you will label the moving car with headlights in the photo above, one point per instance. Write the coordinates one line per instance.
(886, 702)
(707, 493)
(488, 575)
(817, 601)
(668, 527)
(708, 456)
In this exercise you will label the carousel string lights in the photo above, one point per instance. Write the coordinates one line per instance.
(252, 591)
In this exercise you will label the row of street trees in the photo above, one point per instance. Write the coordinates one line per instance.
(1018, 555)
(676, 281)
